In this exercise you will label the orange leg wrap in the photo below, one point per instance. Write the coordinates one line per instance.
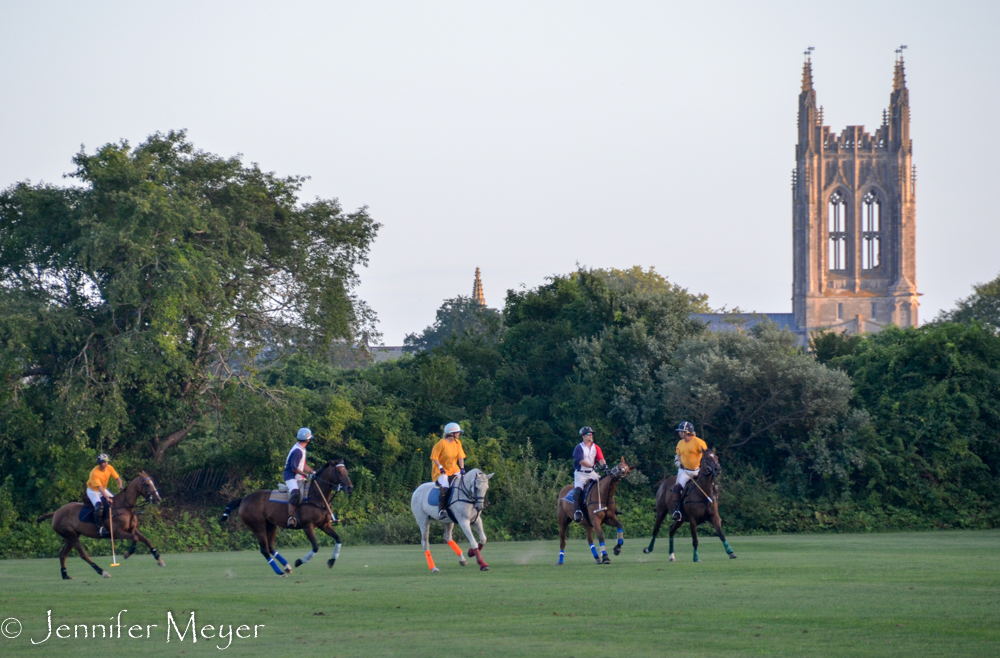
(430, 560)
(455, 547)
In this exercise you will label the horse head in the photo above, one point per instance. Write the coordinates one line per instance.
(339, 478)
(620, 470)
(148, 488)
(710, 463)
(480, 486)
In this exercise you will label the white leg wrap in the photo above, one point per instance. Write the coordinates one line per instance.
(336, 551)
(308, 556)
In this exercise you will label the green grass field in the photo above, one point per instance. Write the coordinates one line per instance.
(907, 594)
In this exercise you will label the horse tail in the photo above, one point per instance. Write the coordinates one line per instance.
(233, 504)
(44, 517)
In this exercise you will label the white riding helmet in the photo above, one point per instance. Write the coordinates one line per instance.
(452, 428)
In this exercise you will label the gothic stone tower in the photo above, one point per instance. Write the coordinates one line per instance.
(854, 219)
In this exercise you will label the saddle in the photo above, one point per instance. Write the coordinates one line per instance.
(281, 495)
(570, 497)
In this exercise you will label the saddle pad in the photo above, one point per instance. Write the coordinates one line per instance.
(282, 496)
(569, 497)
(572, 492)
(434, 497)
(87, 514)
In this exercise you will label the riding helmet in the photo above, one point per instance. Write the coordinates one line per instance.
(685, 427)
(452, 428)
(103, 457)
(586, 430)
(305, 434)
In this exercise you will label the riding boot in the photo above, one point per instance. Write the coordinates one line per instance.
(99, 519)
(578, 499)
(443, 503)
(293, 508)
(678, 501)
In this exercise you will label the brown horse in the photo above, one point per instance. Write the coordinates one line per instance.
(701, 503)
(600, 507)
(67, 524)
(263, 517)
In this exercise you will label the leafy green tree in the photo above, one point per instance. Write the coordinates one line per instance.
(456, 317)
(130, 301)
(932, 396)
(983, 305)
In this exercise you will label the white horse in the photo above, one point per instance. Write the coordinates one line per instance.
(468, 497)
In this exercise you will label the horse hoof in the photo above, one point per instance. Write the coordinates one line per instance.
(697, 560)
(732, 556)
(160, 563)
(605, 561)
(298, 563)
(105, 574)
(472, 552)
(67, 577)
(126, 556)
(463, 562)
(435, 570)
(672, 558)
(485, 567)
(329, 564)
(647, 550)
(618, 550)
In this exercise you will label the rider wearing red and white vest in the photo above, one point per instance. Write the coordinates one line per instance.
(587, 456)
(296, 471)
(688, 460)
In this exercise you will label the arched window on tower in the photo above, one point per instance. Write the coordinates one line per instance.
(837, 228)
(871, 232)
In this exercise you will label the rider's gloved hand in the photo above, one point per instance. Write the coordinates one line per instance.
(461, 471)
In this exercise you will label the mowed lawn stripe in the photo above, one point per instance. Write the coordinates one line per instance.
(851, 595)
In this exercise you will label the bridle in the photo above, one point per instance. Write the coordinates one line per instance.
(474, 498)
(335, 486)
(714, 470)
(124, 507)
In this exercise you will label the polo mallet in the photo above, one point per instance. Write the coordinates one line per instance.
(599, 508)
(111, 522)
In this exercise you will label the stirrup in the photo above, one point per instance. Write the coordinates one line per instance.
(677, 516)
(292, 522)
(578, 516)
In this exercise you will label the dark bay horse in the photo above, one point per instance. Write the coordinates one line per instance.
(67, 524)
(701, 503)
(601, 495)
(264, 517)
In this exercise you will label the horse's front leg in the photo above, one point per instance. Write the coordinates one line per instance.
(453, 545)
(600, 538)
(673, 529)
(590, 540)
(328, 529)
(717, 523)
(694, 538)
(311, 536)
(621, 533)
(563, 529)
(480, 532)
(473, 546)
(137, 536)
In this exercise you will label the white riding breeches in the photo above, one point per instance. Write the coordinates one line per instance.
(684, 476)
(443, 481)
(581, 478)
(95, 496)
(292, 484)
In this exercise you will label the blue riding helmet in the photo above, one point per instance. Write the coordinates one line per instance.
(685, 427)
(586, 430)
(452, 428)
(305, 434)
(102, 458)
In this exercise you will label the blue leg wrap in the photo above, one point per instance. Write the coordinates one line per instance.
(593, 550)
(276, 568)
(621, 536)
(283, 561)
(604, 551)
(562, 555)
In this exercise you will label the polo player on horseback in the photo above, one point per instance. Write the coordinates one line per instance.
(688, 461)
(97, 490)
(587, 457)
(296, 470)
(447, 461)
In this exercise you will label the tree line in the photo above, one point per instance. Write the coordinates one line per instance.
(186, 313)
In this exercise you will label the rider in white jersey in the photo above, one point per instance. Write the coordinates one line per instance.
(587, 457)
(296, 470)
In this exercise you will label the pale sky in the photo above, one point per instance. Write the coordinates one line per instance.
(528, 137)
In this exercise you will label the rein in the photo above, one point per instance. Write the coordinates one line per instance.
(463, 489)
(710, 473)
